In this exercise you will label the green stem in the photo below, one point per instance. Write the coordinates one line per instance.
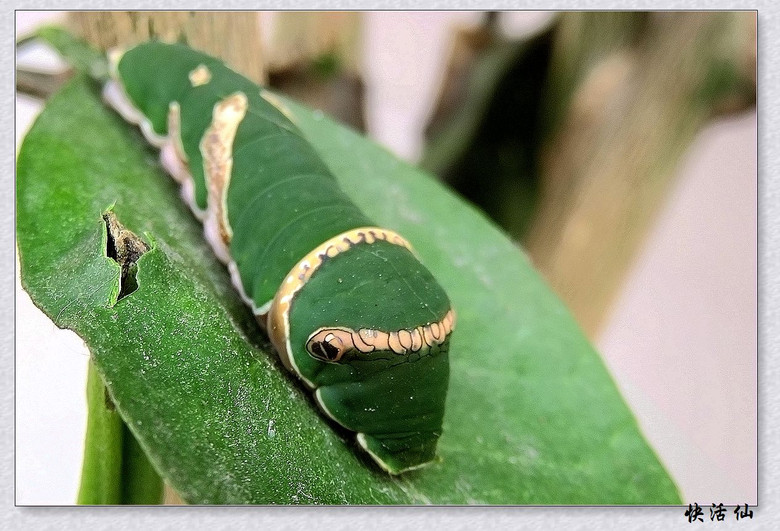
(141, 485)
(115, 470)
(102, 467)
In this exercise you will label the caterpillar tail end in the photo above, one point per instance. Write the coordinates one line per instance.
(399, 454)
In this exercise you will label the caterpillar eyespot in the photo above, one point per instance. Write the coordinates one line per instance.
(340, 298)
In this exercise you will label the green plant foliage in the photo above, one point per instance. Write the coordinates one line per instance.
(485, 144)
(532, 415)
(101, 478)
(116, 470)
(80, 55)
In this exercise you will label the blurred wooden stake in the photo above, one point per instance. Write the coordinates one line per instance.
(233, 36)
(300, 36)
(632, 114)
(315, 57)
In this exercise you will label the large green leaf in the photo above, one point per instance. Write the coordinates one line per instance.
(532, 415)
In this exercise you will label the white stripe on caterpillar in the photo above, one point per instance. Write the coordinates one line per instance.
(216, 146)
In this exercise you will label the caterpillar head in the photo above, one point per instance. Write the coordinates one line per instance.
(369, 332)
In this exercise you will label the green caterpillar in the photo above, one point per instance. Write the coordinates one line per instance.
(347, 305)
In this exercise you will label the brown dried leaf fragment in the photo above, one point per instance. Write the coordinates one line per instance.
(125, 248)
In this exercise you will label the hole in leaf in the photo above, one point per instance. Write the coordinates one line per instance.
(125, 248)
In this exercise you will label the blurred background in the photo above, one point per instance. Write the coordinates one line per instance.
(618, 149)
